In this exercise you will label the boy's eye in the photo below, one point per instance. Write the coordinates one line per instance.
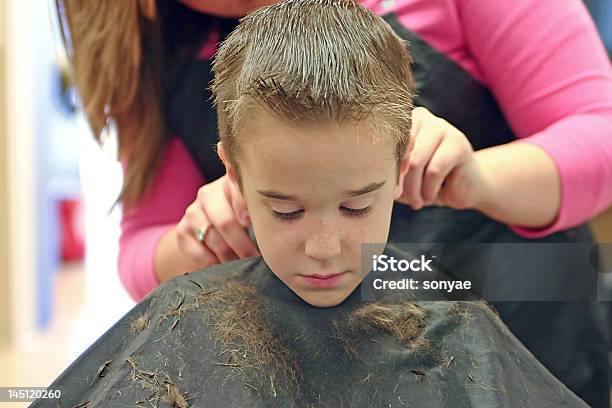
(351, 212)
(357, 212)
(287, 216)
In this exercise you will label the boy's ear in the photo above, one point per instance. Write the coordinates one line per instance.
(222, 154)
(403, 169)
(229, 169)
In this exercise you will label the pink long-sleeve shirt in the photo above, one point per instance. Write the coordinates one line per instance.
(543, 61)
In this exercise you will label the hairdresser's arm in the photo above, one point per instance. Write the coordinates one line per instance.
(146, 243)
(524, 192)
(549, 71)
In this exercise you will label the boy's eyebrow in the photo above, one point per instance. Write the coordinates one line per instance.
(367, 189)
(351, 193)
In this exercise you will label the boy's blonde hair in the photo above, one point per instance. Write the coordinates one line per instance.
(311, 61)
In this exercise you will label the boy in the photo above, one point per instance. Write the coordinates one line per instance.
(314, 103)
(314, 128)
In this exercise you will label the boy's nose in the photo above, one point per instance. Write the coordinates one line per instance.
(323, 246)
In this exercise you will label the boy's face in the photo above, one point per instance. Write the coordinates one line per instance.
(314, 196)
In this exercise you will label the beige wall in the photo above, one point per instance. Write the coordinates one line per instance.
(4, 221)
(17, 178)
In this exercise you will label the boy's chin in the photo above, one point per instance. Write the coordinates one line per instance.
(324, 299)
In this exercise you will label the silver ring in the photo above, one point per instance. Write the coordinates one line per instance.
(201, 233)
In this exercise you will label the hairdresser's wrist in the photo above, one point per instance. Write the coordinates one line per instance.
(484, 196)
(169, 261)
(520, 186)
(467, 187)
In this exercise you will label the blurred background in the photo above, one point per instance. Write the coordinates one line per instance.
(59, 288)
(58, 228)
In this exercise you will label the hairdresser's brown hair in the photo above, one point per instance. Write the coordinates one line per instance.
(114, 48)
(308, 61)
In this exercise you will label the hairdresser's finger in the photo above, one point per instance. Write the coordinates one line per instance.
(220, 213)
(187, 244)
(198, 219)
(201, 256)
(217, 244)
(425, 144)
(447, 156)
(440, 199)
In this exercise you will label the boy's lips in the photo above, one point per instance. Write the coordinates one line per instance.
(325, 276)
(323, 280)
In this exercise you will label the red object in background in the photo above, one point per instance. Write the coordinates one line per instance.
(71, 230)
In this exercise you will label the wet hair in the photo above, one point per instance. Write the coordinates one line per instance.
(310, 62)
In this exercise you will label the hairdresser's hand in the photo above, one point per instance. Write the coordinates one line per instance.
(443, 167)
(223, 210)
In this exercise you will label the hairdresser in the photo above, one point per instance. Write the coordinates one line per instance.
(522, 154)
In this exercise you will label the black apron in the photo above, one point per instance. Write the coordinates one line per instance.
(168, 351)
(569, 338)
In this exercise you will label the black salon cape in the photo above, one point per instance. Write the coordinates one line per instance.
(472, 359)
(554, 331)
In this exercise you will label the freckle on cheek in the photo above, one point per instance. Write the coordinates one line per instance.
(362, 233)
